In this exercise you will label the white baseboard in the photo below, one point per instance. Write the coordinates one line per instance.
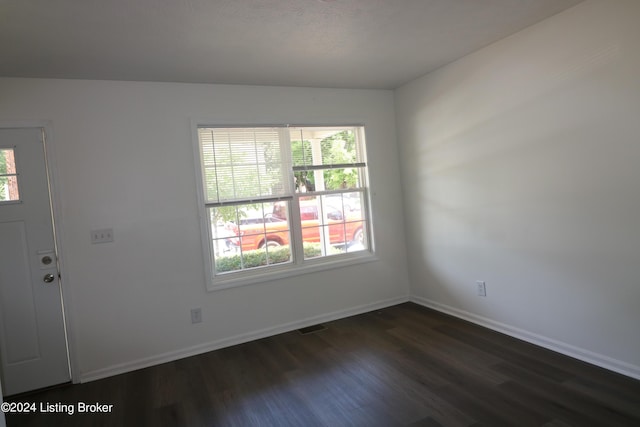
(238, 339)
(542, 341)
(600, 360)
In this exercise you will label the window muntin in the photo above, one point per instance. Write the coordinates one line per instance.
(254, 179)
(9, 191)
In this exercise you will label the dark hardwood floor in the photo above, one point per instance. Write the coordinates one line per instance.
(401, 366)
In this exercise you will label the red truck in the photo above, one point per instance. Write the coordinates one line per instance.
(273, 230)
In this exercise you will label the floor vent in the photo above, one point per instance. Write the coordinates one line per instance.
(312, 329)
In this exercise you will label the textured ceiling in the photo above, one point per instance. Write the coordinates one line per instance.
(321, 43)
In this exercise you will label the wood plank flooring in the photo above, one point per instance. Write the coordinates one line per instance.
(401, 366)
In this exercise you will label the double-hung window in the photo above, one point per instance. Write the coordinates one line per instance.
(280, 200)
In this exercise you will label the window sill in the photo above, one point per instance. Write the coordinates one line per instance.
(266, 274)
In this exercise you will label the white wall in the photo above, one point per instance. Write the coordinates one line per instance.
(520, 167)
(125, 160)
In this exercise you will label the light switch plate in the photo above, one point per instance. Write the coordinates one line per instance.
(196, 315)
(102, 236)
(482, 288)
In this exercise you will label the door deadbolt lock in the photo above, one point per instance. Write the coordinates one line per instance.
(46, 260)
(48, 278)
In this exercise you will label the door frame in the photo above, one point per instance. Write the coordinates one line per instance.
(58, 226)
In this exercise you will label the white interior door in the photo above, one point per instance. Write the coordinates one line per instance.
(33, 345)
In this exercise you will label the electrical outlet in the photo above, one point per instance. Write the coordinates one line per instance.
(482, 288)
(196, 315)
(102, 236)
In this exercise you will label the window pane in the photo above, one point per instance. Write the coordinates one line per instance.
(225, 183)
(326, 158)
(7, 161)
(242, 163)
(211, 184)
(353, 202)
(241, 142)
(327, 179)
(9, 188)
(339, 148)
(8, 176)
(355, 221)
(304, 181)
(250, 235)
(300, 150)
(324, 146)
(247, 181)
(341, 179)
(270, 181)
(333, 224)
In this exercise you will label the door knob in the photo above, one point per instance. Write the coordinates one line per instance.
(48, 278)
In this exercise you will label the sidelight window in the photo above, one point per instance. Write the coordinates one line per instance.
(8, 176)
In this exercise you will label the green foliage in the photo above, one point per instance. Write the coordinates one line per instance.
(336, 149)
(258, 258)
(301, 152)
(3, 167)
(3, 162)
(252, 259)
(228, 214)
(4, 181)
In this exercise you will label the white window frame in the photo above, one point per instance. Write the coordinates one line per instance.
(299, 265)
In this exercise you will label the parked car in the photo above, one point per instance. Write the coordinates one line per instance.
(273, 229)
